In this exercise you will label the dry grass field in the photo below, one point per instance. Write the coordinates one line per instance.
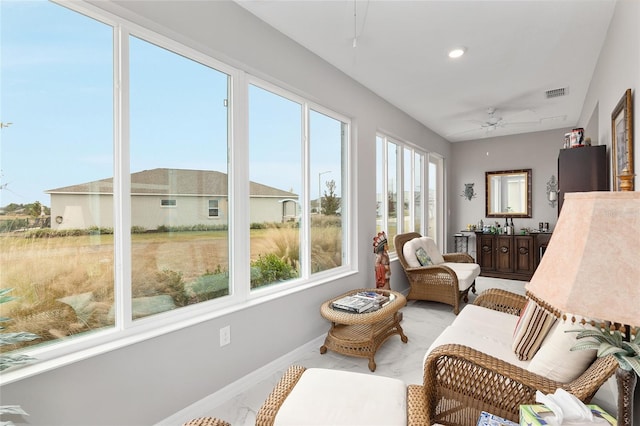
(65, 285)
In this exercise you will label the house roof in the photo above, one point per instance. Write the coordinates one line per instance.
(173, 182)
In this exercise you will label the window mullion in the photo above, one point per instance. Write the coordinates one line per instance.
(305, 219)
(122, 181)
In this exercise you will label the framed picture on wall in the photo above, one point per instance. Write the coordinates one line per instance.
(622, 144)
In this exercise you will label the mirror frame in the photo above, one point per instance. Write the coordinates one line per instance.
(527, 174)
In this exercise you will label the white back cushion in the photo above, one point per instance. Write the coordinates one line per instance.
(410, 247)
(556, 360)
(432, 250)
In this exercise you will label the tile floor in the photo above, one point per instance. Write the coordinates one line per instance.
(422, 323)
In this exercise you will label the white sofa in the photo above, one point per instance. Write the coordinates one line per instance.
(471, 367)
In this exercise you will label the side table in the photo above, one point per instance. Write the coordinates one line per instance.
(362, 334)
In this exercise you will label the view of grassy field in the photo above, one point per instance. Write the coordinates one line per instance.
(64, 285)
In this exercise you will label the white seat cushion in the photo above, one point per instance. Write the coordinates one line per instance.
(333, 397)
(485, 330)
(496, 324)
(466, 273)
(474, 337)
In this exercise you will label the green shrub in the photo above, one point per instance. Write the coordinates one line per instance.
(268, 269)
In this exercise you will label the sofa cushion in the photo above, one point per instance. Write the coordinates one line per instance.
(556, 360)
(333, 397)
(475, 338)
(531, 329)
(483, 329)
(466, 273)
(410, 248)
(496, 324)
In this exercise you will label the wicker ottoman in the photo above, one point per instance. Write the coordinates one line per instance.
(318, 396)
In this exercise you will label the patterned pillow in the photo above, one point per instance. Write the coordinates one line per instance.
(423, 257)
(531, 329)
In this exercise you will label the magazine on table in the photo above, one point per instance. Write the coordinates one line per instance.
(353, 304)
(379, 299)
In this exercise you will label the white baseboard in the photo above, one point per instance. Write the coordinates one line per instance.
(241, 385)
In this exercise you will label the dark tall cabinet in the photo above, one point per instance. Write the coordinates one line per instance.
(582, 169)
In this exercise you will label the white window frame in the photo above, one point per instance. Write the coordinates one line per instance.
(305, 197)
(400, 167)
(125, 331)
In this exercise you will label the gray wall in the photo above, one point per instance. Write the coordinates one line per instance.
(470, 160)
(148, 381)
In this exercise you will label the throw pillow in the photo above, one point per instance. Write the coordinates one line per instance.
(555, 359)
(534, 324)
(432, 250)
(423, 257)
(409, 252)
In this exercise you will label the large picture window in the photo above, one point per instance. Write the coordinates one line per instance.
(288, 136)
(57, 162)
(125, 142)
(178, 149)
(400, 188)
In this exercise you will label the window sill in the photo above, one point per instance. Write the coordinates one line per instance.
(100, 342)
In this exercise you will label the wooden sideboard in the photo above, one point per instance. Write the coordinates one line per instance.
(514, 257)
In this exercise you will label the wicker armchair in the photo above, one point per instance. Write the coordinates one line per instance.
(436, 283)
(460, 382)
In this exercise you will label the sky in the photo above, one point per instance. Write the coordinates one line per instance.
(56, 88)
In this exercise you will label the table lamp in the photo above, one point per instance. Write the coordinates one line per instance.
(591, 269)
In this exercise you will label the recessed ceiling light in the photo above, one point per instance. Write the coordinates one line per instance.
(457, 52)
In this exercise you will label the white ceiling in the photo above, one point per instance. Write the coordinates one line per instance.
(516, 51)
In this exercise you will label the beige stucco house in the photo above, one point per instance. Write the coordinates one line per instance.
(167, 197)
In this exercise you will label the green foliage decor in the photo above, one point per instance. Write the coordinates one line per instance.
(612, 343)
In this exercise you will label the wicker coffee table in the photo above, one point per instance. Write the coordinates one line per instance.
(362, 334)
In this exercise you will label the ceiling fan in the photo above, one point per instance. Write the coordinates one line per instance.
(494, 121)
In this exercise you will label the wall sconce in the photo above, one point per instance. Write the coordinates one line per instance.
(552, 191)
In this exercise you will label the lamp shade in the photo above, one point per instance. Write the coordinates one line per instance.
(591, 267)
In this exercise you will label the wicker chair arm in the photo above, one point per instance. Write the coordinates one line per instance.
(416, 406)
(431, 269)
(429, 275)
(501, 300)
(498, 386)
(480, 380)
(267, 413)
(458, 258)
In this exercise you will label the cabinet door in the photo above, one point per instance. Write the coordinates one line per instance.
(524, 254)
(485, 251)
(582, 170)
(504, 253)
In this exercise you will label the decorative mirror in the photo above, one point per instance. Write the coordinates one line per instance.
(508, 193)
